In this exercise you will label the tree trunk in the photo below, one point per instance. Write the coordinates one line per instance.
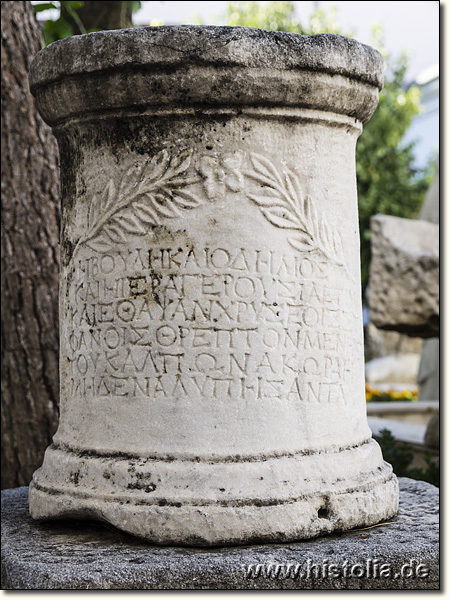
(30, 257)
(96, 15)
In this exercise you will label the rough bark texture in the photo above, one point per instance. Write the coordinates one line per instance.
(30, 257)
(101, 15)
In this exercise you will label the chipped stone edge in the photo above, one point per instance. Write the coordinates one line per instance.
(138, 47)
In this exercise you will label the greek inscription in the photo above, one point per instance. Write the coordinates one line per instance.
(269, 326)
(162, 187)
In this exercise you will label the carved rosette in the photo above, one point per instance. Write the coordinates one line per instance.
(212, 368)
(157, 189)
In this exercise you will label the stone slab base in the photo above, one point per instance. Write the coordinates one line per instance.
(189, 503)
(80, 555)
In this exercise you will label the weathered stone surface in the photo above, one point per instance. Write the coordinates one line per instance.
(430, 209)
(73, 555)
(212, 369)
(214, 66)
(404, 276)
(432, 433)
(428, 378)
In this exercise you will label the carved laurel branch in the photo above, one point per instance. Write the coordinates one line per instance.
(154, 190)
(283, 204)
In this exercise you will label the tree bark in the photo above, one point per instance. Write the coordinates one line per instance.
(98, 14)
(30, 257)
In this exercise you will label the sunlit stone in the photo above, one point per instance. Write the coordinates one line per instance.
(212, 370)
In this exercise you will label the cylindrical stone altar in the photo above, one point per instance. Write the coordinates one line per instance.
(212, 369)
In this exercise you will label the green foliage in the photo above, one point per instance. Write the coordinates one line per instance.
(60, 28)
(430, 474)
(44, 6)
(279, 16)
(134, 5)
(387, 180)
(400, 456)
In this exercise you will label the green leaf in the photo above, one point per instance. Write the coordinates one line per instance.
(72, 4)
(73, 13)
(45, 6)
(134, 6)
(56, 30)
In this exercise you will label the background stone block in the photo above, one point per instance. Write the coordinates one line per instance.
(404, 276)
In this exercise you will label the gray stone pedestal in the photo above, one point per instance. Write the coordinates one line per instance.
(75, 555)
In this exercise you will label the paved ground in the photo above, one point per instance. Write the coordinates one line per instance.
(79, 555)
